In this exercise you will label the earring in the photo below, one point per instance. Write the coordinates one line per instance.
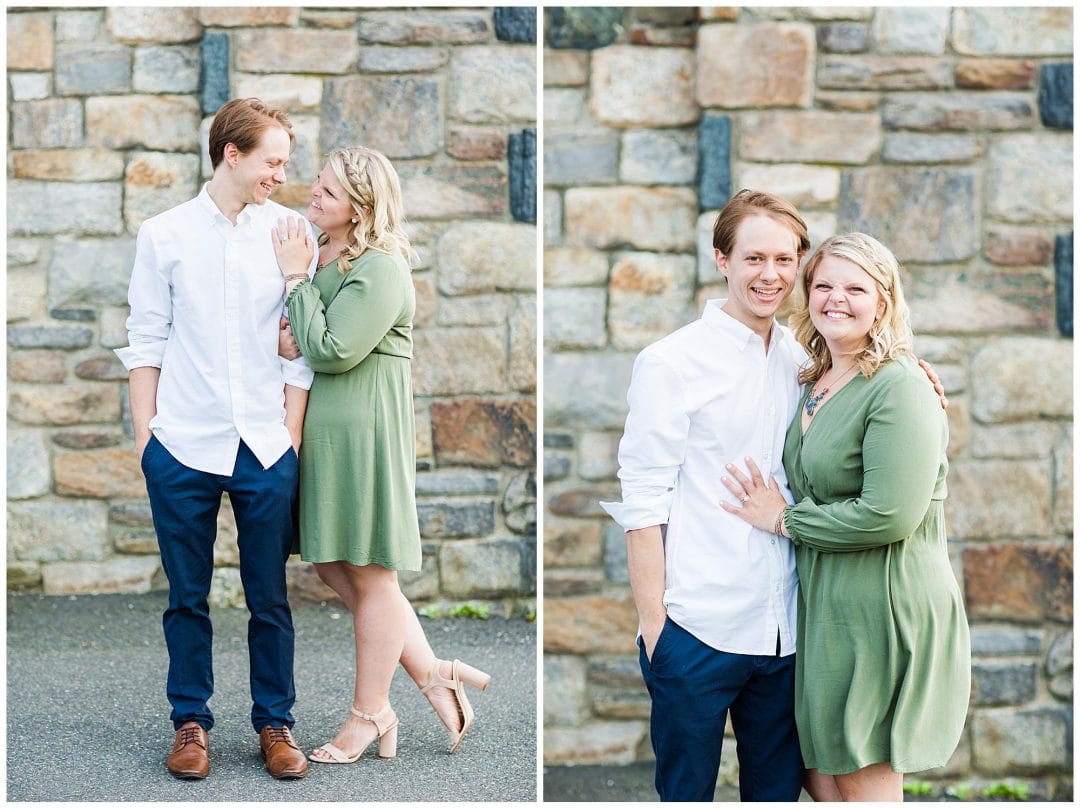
(354, 221)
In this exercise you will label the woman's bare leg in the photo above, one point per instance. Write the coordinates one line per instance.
(874, 783)
(821, 787)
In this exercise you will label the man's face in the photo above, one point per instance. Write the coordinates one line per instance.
(257, 173)
(760, 270)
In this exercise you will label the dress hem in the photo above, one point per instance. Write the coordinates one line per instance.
(390, 565)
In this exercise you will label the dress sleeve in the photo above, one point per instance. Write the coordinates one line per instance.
(901, 454)
(653, 445)
(338, 337)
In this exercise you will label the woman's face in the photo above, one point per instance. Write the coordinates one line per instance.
(330, 209)
(844, 302)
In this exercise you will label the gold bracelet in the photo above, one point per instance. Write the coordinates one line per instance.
(299, 276)
(778, 525)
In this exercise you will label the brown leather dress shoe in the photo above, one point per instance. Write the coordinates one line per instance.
(189, 759)
(284, 760)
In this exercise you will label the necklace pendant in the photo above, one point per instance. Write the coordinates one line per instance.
(813, 401)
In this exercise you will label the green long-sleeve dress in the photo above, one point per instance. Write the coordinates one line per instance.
(358, 455)
(883, 666)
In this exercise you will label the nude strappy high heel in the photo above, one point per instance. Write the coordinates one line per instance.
(462, 675)
(386, 723)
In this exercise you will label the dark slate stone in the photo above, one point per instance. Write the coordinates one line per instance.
(556, 466)
(515, 24)
(86, 440)
(49, 336)
(714, 161)
(74, 314)
(583, 28)
(842, 37)
(1063, 283)
(522, 162)
(996, 683)
(528, 565)
(125, 413)
(1056, 95)
(558, 440)
(666, 15)
(215, 72)
(615, 568)
(440, 520)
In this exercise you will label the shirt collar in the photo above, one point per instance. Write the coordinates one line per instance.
(214, 212)
(742, 335)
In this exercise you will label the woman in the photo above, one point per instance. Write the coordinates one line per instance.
(358, 523)
(883, 665)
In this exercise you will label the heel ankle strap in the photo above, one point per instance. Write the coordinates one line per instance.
(378, 719)
(436, 679)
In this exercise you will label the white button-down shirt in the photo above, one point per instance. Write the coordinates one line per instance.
(700, 398)
(206, 298)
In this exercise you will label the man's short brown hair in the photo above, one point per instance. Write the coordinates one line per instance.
(242, 121)
(754, 203)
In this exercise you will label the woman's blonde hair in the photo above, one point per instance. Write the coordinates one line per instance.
(375, 194)
(890, 336)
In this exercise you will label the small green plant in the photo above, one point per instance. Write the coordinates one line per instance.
(530, 615)
(918, 788)
(477, 611)
(1006, 791)
(960, 791)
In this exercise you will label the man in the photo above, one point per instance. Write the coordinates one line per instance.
(716, 597)
(215, 410)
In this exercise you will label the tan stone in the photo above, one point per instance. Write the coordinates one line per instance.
(1025, 440)
(1064, 464)
(30, 41)
(1013, 31)
(1030, 177)
(960, 426)
(565, 68)
(115, 575)
(137, 26)
(633, 86)
(583, 501)
(292, 93)
(71, 404)
(1018, 378)
(477, 432)
(37, 366)
(755, 65)
(67, 164)
(1018, 246)
(99, 473)
(23, 575)
(423, 431)
(154, 182)
(307, 588)
(161, 122)
(719, 13)
(643, 218)
(978, 300)
(447, 361)
(572, 543)
(809, 137)
(521, 371)
(564, 583)
(1019, 582)
(290, 50)
(480, 256)
(847, 102)
(476, 143)
(564, 674)
(995, 74)
(801, 185)
(590, 625)
(222, 17)
(427, 303)
(476, 189)
(598, 742)
(571, 266)
(492, 84)
(649, 296)
(983, 505)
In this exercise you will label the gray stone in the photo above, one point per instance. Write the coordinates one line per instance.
(456, 360)
(28, 465)
(601, 404)
(515, 24)
(650, 296)
(980, 505)
(386, 59)
(564, 674)
(884, 73)
(46, 124)
(598, 455)
(1059, 667)
(88, 440)
(106, 368)
(596, 742)
(155, 182)
(1004, 641)
(414, 27)
(521, 368)
(484, 256)
(80, 26)
(657, 157)
(30, 86)
(922, 215)
(979, 300)
(1017, 378)
(69, 283)
(1013, 31)
(137, 25)
(914, 147)
(964, 111)
(92, 69)
(492, 85)
(1056, 96)
(521, 156)
(574, 318)
(808, 136)
(166, 69)
(586, 157)
(1046, 732)
(456, 483)
(553, 216)
(74, 314)
(558, 440)
(25, 293)
(556, 466)
(1063, 283)
(22, 252)
(474, 310)
(440, 520)
(634, 87)
(911, 30)
(112, 327)
(842, 37)
(1032, 439)
(481, 567)
(49, 336)
(47, 530)
(133, 513)
(581, 28)
(519, 503)
(401, 117)
(660, 219)
(564, 106)
(424, 584)
(1030, 177)
(615, 568)
(1001, 683)
(215, 72)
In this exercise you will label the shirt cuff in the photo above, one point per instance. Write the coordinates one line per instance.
(297, 372)
(641, 511)
(142, 355)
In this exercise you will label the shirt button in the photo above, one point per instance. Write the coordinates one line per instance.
(772, 541)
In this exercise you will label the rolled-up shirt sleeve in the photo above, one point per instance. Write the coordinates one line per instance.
(653, 446)
(150, 298)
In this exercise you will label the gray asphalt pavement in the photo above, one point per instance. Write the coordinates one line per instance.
(88, 718)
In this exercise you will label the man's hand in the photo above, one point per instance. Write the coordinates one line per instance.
(650, 634)
(934, 380)
(142, 437)
(287, 347)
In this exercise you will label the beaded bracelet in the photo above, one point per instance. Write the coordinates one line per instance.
(778, 525)
(299, 276)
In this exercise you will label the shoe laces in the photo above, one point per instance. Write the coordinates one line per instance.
(275, 734)
(190, 735)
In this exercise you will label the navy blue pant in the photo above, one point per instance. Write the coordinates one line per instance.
(185, 505)
(692, 687)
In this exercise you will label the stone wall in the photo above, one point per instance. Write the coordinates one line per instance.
(947, 133)
(110, 110)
